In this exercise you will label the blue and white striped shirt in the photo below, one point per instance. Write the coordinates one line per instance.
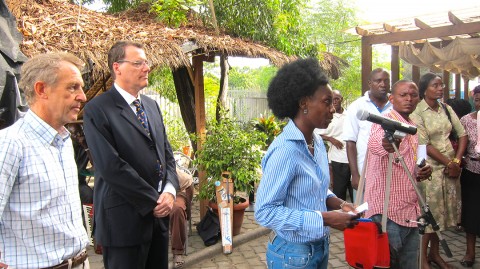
(294, 187)
(40, 210)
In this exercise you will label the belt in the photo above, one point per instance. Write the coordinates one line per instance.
(75, 261)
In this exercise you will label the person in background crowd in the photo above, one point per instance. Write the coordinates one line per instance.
(293, 196)
(81, 158)
(461, 106)
(357, 132)
(135, 176)
(443, 191)
(40, 212)
(403, 236)
(178, 217)
(470, 182)
(337, 153)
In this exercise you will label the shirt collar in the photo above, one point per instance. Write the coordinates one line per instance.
(44, 131)
(126, 95)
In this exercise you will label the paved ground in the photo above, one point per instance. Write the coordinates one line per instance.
(250, 245)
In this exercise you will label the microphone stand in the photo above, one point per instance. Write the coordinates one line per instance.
(427, 217)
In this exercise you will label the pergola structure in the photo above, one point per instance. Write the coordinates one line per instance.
(446, 42)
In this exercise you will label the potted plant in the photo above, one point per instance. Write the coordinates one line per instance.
(270, 126)
(228, 146)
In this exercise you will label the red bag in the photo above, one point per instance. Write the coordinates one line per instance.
(366, 246)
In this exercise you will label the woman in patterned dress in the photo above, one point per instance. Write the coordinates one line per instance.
(470, 181)
(443, 191)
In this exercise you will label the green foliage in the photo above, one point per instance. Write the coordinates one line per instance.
(176, 132)
(230, 147)
(327, 23)
(120, 5)
(161, 80)
(172, 12)
(270, 126)
(279, 24)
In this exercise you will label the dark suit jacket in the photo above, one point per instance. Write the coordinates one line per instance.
(125, 160)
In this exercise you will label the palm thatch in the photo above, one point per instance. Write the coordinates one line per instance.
(56, 25)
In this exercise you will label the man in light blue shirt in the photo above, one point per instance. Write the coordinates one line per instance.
(40, 211)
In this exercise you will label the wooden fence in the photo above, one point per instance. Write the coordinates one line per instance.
(243, 105)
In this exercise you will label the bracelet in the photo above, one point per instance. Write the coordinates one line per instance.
(343, 204)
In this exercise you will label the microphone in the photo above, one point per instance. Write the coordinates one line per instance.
(387, 124)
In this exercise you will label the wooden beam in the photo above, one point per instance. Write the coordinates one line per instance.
(366, 64)
(458, 85)
(420, 24)
(466, 28)
(390, 28)
(395, 64)
(455, 20)
(200, 118)
(361, 31)
(446, 81)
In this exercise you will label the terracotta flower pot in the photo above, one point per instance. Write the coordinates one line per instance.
(238, 213)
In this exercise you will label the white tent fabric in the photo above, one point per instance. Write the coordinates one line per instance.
(461, 56)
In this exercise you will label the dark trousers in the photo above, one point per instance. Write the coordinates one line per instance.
(341, 180)
(152, 255)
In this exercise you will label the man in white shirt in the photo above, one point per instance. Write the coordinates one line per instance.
(40, 212)
(337, 153)
(356, 132)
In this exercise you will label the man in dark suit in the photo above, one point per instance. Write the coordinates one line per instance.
(135, 176)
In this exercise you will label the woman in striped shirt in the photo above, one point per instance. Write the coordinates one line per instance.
(293, 196)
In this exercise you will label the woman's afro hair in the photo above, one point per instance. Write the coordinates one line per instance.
(293, 82)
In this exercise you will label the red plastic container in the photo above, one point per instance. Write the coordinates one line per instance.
(366, 246)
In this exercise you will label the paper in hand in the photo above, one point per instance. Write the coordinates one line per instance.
(421, 153)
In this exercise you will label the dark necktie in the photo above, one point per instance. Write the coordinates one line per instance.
(141, 116)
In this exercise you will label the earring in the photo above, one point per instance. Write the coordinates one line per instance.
(305, 111)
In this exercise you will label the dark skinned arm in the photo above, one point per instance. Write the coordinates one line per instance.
(352, 163)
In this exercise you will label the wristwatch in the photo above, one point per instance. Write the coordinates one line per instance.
(455, 160)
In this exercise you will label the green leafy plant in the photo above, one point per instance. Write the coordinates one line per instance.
(172, 12)
(270, 126)
(230, 147)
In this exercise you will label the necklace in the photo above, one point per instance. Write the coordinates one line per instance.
(311, 145)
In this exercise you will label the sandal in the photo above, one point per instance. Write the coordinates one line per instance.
(178, 261)
(466, 263)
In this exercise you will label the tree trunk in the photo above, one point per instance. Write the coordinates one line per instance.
(222, 94)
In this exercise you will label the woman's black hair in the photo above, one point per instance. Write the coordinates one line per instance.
(461, 106)
(424, 82)
(293, 82)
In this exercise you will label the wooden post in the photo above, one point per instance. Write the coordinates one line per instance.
(446, 80)
(458, 83)
(465, 88)
(415, 74)
(200, 118)
(395, 64)
(366, 64)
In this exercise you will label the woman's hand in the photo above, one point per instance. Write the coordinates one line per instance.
(452, 170)
(340, 220)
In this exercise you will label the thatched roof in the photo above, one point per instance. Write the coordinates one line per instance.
(53, 25)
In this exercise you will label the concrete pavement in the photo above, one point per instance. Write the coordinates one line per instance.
(250, 245)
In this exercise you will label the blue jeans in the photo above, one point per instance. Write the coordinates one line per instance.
(404, 242)
(284, 254)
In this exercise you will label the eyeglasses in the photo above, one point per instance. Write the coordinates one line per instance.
(136, 64)
(438, 85)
